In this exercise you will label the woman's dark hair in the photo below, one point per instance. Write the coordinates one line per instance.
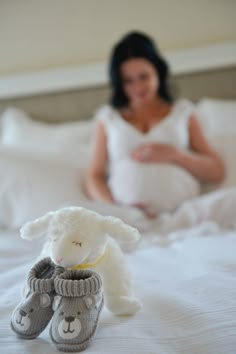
(136, 45)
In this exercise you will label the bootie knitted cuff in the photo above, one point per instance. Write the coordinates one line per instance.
(41, 277)
(74, 283)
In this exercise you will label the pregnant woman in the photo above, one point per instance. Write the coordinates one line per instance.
(149, 150)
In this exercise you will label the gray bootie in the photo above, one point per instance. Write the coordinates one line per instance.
(77, 306)
(34, 312)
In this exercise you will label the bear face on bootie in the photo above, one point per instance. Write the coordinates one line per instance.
(77, 308)
(34, 312)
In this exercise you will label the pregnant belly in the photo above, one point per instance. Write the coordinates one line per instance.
(162, 186)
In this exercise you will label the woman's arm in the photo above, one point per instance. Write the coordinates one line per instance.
(202, 161)
(95, 181)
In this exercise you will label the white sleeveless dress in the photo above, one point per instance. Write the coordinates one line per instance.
(161, 186)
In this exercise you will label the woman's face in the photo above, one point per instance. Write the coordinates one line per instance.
(140, 80)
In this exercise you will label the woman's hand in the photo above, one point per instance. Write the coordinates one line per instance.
(155, 152)
(150, 214)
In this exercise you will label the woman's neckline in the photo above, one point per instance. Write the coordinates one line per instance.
(157, 125)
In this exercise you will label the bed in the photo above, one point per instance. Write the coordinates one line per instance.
(184, 267)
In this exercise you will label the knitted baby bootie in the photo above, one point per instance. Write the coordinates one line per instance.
(77, 306)
(34, 312)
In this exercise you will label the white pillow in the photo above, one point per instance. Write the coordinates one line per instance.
(33, 183)
(19, 130)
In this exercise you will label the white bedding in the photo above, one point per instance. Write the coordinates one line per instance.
(184, 267)
(188, 290)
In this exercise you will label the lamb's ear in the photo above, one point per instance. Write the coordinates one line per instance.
(119, 230)
(37, 228)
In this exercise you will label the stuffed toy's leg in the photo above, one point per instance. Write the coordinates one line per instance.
(117, 281)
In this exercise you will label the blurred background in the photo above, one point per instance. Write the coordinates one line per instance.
(55, 53)
(36, 35)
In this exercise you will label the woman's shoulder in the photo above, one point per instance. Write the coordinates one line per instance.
(184, 107)
(184, 103)
(104, 113)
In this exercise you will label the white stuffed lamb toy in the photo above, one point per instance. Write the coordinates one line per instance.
(79, 238)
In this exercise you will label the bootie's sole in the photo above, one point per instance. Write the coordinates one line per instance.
(73, 347)
(22, 335)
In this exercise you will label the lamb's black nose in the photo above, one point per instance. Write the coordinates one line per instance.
(23, 313)
(69, 319)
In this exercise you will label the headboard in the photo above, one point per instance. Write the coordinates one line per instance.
(81, 103)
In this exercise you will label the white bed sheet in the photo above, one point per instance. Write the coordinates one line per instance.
(188, 290)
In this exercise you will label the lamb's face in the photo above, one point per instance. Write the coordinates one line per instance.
(70, 249)
(72, 243)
